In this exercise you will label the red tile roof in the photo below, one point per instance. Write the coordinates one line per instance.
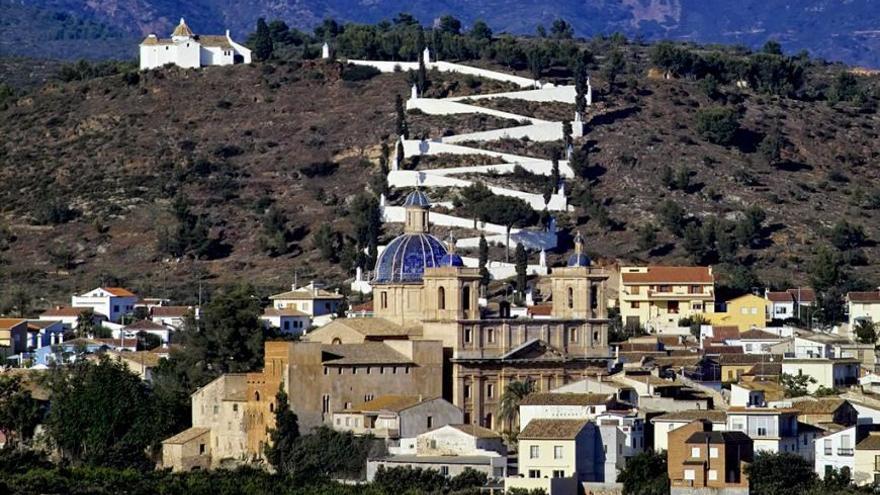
(119, 291)
(803, 294)
(365, 306)
(170, 311)
(779, 297)
(863, 297)
(723, 349)
(671, 275)
(65, 311)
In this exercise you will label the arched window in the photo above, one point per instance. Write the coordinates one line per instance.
(257, 396)
(466, 298)
(441, 298)
(336, 341)
(570, 298)
(271, 407)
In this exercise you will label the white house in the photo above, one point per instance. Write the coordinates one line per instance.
(755, 341)
(312, 300)
(772, 430)
(836, 451)
(563, 406)
(450, 450)
(112, 302)
(173, 316)
(191, 51)
(393, 417)
(829, 373)
(788, 303)
(755, 393)
(68, 316)
(622, 434)
(146, 326)
(863, 306)
(289, 321)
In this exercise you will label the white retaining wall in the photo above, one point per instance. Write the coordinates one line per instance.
(545, 131)
(446, 107)
(415, 178)
(385, 66)
(562, 94)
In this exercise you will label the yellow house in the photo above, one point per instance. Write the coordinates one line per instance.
(866, 461)
(659, 296)
(551, 451)
(744, 312)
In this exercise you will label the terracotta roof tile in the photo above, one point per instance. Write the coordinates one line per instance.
(283, 312)
(864, 297)
(394, 403)
(870, 442)
(541, 310)
(757, 334)
(7, 323)
(552, 429)
(65, 311)
(187, 435)
(554, 399)
(818, 406)
(306, 294)
(671, 275)
(693, 414)
(170, 311)
(779, 297)
(803, 294)
(476, 431)
(119, 291)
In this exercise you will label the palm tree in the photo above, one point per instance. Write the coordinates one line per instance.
(514, 393)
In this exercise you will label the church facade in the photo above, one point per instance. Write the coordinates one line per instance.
(191, 51)
(422, 283)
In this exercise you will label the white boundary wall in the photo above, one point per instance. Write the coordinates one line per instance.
(562, 94)
(385, 66)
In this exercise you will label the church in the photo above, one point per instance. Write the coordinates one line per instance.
(422, 290)
(191, 51)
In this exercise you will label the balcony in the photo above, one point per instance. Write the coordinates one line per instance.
(829, 451)
(846, 452)
(680, 295)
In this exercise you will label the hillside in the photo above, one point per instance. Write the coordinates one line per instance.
(844, 31)
(89, 171)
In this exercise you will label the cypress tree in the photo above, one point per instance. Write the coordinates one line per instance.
(402, 127)
(522, 265)
(285, 434)
(263, 43)
(484, 259)
(580, 87)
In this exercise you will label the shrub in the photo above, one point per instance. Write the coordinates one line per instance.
(319, 169)
(359, 72)
(717, 125)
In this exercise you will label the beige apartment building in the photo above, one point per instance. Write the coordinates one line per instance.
(658, 297)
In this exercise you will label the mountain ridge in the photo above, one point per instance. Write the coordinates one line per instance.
(847, 32)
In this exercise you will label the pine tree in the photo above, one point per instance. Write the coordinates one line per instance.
(402, 127)
(484, 260)
(285, 434)
(263, 41)
(522, 266)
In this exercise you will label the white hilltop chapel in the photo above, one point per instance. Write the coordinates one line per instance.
(192, 51)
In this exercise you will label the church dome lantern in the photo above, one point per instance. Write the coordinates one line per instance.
(579, 258)
(182, 31)
(405, 258)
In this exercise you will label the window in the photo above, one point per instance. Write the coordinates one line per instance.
(430, 422)
(326, 370)
(533, 452)
(467, 391)
(762, 431)
(490, 335)
(383, 298)
(558, 473)
(744, 311)
(217, 408)
(444, 470)
(467, 335)
(635, 289)
(634, 305)
(876, 466)
(257, 396)
(570, 298)
(827, 445)
(490, 390)
(235, 408)
(466, 298)
(672, 307)
(695, 289)
(695, 452)
(115, 308)
(713, 475)
(572, 335)
(664, 288)
(347, 419)
(534, 473)
(441, 298)
(557, 451)
(201, 449)
(354, 370)
(713, 452)
(689, 475)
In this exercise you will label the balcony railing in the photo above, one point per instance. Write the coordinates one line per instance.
(829, 451)
(846, 452)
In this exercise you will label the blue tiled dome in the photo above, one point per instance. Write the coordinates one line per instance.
(417, 198)
(579, 260)
(451, 260)
(406, 257)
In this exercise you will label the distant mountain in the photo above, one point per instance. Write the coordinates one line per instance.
(836, 30)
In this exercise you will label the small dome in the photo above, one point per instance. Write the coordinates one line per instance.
(417, 198)
(406, 257)
(182, 30)
(579, 260)
(451, 260)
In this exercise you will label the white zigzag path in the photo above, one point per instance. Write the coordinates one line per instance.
(534, 129)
